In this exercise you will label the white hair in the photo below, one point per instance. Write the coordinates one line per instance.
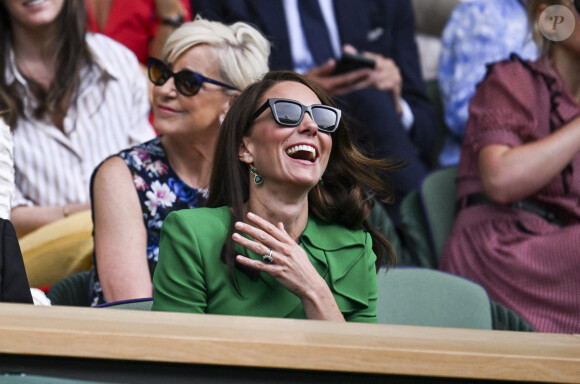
(241, 51)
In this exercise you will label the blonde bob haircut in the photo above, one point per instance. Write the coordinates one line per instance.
(240, 51)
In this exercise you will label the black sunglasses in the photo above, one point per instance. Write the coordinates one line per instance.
(188, 83)
(290, 113)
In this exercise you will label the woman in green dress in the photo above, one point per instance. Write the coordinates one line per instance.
(287, 232)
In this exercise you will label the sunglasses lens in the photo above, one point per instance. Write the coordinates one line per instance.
(157, 73)
(325, 118)
(187, 83)
(288, 113)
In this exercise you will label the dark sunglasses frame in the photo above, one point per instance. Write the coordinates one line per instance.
(271, 103)
(179, 77)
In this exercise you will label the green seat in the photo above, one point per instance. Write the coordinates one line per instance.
(23, 378)
(415, 233)
(437, 196)
(72, 290)
(504, 319)
(143, 304)
(380, 220)
(428, 297)
(434, 94)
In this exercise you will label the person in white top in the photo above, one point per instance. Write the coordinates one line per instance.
(72, 99)
(6, 169)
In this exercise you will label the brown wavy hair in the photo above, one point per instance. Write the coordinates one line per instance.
(349, 182)
(71, 54)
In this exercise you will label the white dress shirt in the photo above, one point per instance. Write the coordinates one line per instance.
(301, 55)
(53, 167)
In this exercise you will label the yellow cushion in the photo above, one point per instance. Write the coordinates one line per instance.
(58, 249)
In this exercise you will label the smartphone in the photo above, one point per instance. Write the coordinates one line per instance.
(349, 62)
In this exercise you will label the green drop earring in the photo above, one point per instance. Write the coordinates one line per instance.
(257, 178)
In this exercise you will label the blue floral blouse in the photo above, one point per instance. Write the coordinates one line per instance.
(160, 191)
(479, 32)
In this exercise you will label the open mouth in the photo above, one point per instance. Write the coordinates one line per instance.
(302, 152)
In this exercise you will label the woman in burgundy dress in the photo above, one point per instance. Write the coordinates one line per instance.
(518, 228)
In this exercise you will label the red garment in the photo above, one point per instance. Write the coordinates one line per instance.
(523, 261)
(132, 23)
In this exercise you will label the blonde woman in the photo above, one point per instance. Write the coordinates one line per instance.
(205, 65)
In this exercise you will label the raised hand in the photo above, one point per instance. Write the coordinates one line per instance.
(290, 265)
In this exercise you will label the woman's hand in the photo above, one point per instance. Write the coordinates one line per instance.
(290, 266)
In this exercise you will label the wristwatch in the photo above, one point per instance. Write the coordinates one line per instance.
(174, 21)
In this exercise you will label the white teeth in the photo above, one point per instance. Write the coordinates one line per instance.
(306, 148)
(34, 2)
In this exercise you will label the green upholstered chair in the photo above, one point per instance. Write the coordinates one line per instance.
(72, 290)
(428, 297)
(414, 233)
(504, 319)
(22, 378)
(434, 94)
(143, 304)
(437, 195)
(382, 222)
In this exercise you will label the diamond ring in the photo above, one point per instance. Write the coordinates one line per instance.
(267, 258)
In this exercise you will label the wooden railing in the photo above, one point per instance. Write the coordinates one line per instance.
(96, 334)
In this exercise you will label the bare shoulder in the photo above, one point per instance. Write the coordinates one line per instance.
(112, 173)
(113, 189)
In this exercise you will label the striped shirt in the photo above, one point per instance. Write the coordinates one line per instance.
(6, 169)
(53, 166)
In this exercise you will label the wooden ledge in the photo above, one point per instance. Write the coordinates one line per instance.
(289, 344)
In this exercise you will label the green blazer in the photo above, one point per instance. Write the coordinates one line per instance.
(190, 277)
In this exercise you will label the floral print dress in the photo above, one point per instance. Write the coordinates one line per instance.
(160, 192)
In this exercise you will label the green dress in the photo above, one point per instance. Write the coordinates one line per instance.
(190, 277)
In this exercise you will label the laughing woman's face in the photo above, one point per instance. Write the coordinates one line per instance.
(284, 155)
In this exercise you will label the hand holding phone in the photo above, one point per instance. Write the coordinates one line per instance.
(349, 62)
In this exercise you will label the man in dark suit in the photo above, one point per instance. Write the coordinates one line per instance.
(393, 115)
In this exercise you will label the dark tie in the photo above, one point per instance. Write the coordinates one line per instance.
(315, 30)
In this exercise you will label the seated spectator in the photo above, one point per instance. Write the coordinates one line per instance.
(287, 232)
(205, 65)
(518, 229)
(143, 26)
(395, 118)
(479, 32)
(72, 99)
